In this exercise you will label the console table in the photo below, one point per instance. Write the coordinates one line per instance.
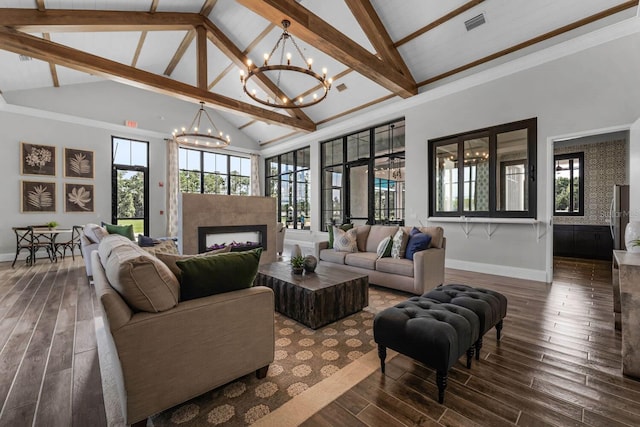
(626, 283)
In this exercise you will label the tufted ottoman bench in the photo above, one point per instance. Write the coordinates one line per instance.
(490, 306)
(428, 331)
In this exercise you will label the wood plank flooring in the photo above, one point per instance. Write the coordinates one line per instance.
(558, 363)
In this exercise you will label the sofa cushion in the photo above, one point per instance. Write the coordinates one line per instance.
(401, 266)
(331, 237)
(123, 230)
(417, 242)
(400, 240)
(362, 232)
(143, 281)
(436, 233)
(209, 275)
(331, 255)
(170, 259)
(109, 243)
(344, 241)
(94, 232)
(377, 233)
(362, 259)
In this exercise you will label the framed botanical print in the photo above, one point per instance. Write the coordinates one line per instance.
(37, 196)
(78, 197)
(37, 159)
(78, 163)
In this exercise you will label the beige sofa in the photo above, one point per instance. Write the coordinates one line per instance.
(183, 349)
(416, 276)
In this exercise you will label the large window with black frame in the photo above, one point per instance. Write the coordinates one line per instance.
(288, 180)
(363, 176)
(213, 173)
(489, 172)
(130, 184)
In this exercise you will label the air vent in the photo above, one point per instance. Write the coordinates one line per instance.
(341, 87)
(24, 58)
(474, 22)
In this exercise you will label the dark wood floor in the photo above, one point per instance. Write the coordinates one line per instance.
(49, 370)
(558, 363)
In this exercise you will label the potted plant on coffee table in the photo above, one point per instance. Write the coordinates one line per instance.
(297, 264)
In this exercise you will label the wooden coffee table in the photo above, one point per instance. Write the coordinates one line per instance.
(315, 299)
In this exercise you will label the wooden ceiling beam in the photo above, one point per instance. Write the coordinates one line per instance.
(201, 57)
(239, 58)
(61, 20)
(52, 66)
(447, 17)
(206, 9)
(377, 34)
(318, 33)
(546, 36)
(22, 43)
(143, 36)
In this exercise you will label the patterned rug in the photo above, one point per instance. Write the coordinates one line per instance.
(303, 358)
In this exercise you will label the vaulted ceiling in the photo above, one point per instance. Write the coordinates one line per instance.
(375, 50)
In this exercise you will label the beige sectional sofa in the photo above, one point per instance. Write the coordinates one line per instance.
(416, 276)
(167, 351)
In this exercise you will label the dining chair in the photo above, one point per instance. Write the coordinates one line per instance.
(71, 244)
(26, 240)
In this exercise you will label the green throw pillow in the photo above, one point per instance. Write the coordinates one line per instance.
(204, 276)
(344, 227)
(123, 230)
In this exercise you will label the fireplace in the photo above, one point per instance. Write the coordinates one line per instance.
(240, 237)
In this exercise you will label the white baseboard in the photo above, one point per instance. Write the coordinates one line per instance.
(498, 270)
(23, 256)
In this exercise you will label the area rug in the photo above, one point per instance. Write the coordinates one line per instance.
(303, 358)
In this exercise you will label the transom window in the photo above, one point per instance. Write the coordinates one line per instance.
(569, 184)
(213, 173)
(488, 172)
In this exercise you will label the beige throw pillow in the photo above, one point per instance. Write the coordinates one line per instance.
(345, 241)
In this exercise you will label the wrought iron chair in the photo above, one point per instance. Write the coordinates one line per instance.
(26, 240)
(71, 244)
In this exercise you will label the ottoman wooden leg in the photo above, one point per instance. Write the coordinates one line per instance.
(382, 354)
(478, 347)
(441, 381)
(498, 329)
(469, 357)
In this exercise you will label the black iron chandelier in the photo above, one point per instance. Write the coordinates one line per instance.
(284, 102)
(193, 135)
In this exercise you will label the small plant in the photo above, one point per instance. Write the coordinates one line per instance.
(52, 224)
(635, 242)
(297, 261)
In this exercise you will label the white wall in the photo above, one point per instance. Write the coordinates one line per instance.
(19, 127)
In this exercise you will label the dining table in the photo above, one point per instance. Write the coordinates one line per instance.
(50, 234)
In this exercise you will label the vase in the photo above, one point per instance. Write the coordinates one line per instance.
(310, 263)
(632, 236)
(296, 251)
(297, 270)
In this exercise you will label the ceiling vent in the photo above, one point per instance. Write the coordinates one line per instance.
(24, 58)
(474, 22)
(341, 87)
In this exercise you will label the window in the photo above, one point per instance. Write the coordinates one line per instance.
(288, 179)
(363, 176)
(213, 173)
(488, 172)
(569, 184)
(130, 184)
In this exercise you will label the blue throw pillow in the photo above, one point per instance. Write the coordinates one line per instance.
(145, 241)
(417, 242)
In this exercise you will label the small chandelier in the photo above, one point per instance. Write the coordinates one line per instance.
(193, 136)
(300, 102)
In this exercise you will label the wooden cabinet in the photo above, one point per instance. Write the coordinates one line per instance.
(582, 241)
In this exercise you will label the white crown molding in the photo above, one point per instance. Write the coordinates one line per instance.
(595, 38)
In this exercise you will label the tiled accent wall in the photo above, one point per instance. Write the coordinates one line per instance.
(605, 165)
